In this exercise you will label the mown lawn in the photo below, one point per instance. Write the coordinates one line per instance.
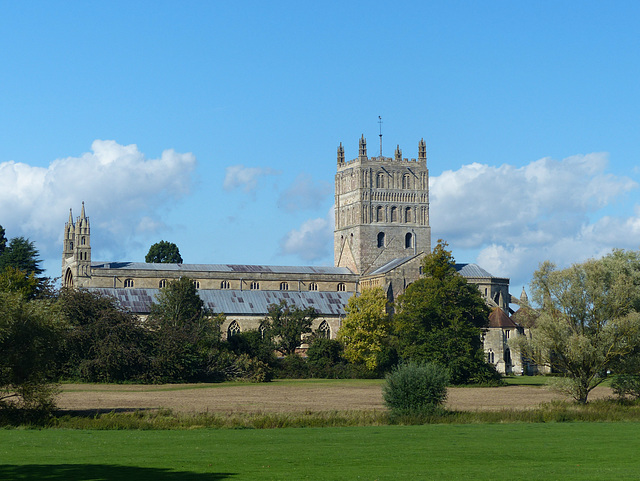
(550, 451)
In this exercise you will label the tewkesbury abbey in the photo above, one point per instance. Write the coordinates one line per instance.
(381, 234)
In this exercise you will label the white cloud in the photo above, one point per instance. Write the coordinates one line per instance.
(313, 241)
(304, 193)
(246, 177)
(518, 217)
(123, 190)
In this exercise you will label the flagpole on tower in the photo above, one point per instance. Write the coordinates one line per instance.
(380, 122)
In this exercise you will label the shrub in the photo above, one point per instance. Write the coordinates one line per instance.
(626, 385)
(415, 388)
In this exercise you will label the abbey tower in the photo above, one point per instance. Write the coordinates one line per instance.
(381, 209)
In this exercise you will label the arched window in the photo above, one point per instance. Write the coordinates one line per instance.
(342, 287)
(196, 283)
(407, 214)
(82, 240)
(262, 329)
(233, 329)
(284, 286)
(128, 283)
(162, 283)
(380, 239)
(406, 181)
(379, 214)
(68, 278)
(408, 240)
(380, 180)
(491, 356)
(394, 214)
(255, 285)
(313, 286)
(324, 331)
(225, 285)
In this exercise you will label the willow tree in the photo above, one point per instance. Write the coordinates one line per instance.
(588, 319)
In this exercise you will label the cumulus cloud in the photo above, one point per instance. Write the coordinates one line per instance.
(313, 241)
(239, 176)
(304, 193)
(518, 217)
(119, 185)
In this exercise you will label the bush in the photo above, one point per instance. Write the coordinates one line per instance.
(415, 388)
(626, 385)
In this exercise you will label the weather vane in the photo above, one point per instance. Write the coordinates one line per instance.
(380, 122)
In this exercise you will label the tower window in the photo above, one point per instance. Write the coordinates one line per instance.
(225, 285)
(406, 181)
(394, 214)
(408, 240)
(196, 283)
(162, 284)
(128, 283)
(380, 239)
(284, 286)
(255, 285)
(380, 180)
(82, 240)
(379, 214)
(341, 287)
(407, 214)
(313, 286)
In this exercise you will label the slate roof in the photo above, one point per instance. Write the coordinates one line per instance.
(236, 302)
(221, 268)
(392, 264)
(472, 270)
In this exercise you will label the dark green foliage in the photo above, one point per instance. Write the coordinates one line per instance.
(185, 339)
(3, 240)
(415, 388)
(624, 385)
(292, 367)
(164, 252)
(253, 344)
(22, 254)
(104, 343)
(29, 336)
(440, 319)
(288, 325)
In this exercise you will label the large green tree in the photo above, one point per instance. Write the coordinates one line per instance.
(366, 329)
(22, 254)
(3, 240)
(29, 336)
(440, 318)
(289, 324)
(164, 252)
(588, 319)
(185, 336)
(104, 343)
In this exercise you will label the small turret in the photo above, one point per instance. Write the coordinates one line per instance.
(362, 155)
(524, 299)
(340, 154)
(422, 151)
(398, 153)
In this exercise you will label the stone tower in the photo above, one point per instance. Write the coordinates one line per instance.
(381, 209)
(76, 254)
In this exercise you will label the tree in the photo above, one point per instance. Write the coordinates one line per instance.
(104, 343)
(22, 254)
(366, 329)
(3, 240)
(29, 334)
(589, 319)
(163, 252)
(15, 280)
(185, 337)
(440, 318)
(289, 324)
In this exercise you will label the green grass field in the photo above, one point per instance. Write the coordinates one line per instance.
(550, 451)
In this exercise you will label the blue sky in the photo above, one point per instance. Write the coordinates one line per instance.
(214, 125)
